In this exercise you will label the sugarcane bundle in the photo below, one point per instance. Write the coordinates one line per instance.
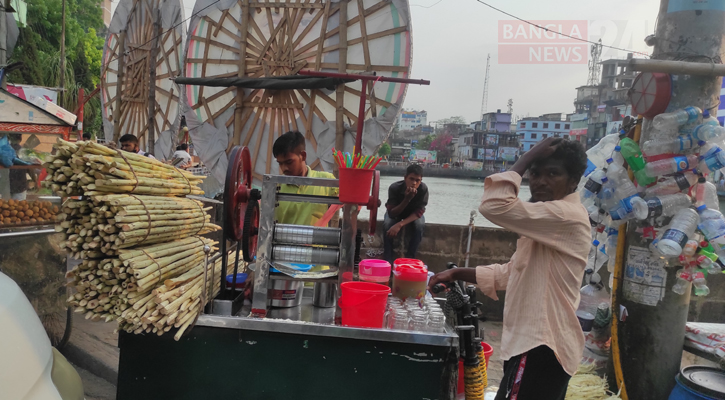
(100, 226)
(89, 169)
(119, 288)
(175, 304)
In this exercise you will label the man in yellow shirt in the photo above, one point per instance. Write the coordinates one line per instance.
(289, 150)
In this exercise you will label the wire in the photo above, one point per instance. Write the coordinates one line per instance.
(430, 6)
(559, 33)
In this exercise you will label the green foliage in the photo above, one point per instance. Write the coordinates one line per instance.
(38, 48)
(384, 150)
(424, 144)
(453, 120)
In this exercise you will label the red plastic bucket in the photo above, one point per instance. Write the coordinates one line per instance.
(487, 352)
(355, 185)
(363, 304)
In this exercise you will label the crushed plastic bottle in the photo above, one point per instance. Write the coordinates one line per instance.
(678, 145)
(708, 264)
(712, 225)
(592, 295)
(672, 184)
(682, 228)
(713, 159)
(593, 186)
(683, 282)
(690, 248)
(670, 165)
(666, 205)
(708, 132)
(597, 258)
(698, 281)
(633, 155)
(597, 156)
(612, 239)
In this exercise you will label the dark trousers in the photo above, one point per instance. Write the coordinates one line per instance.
(413, 230)
(534, 375)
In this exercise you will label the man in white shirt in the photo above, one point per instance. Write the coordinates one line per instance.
(182, 153)
(130, 143)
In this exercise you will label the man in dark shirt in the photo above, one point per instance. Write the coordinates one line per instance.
(406, 204)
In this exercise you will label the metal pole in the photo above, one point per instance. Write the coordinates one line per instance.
(119, 85)
(62, 57)
(81, 104)
(340, 90)
(3, 43)
(653, 335)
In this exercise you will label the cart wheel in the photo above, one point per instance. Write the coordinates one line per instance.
(237, 188)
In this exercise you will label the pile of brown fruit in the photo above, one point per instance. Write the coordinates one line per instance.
(22, 212)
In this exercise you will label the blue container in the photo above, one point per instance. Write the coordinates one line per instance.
(699, 383)
(241, 278)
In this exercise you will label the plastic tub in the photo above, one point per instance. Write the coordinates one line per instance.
(241, 279)
(409, 281)
(376, 271)
(363, 304)
(487, 352)
(355, 185)
(586, 320)
(407, 261)
(699, 382)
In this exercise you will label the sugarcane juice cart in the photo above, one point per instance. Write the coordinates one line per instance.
(256, 350)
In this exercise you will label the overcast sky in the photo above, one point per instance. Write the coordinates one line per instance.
(451, 39)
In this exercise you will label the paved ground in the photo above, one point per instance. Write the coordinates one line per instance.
(96, 388)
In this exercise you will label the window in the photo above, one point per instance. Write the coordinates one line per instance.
(557, 126)
(523, 125)
(530, 146)
(544, 136)
(566, 126)
(534, 124)
(493, 124)
(546, 125)
(533, 136)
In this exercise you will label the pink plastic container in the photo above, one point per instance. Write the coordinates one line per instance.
(376, 271)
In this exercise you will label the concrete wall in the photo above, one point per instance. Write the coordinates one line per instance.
(447, 243)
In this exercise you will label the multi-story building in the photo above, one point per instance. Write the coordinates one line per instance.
(409, 120)
(532, 130)
(490, 141)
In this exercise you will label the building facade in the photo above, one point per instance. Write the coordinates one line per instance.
(409, 120)
(494, 150)
(532, 130)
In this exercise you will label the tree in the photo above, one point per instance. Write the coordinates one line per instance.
(424, 144)
(453, 120)
(440, 145)
(384, 150)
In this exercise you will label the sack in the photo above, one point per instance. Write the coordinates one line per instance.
(7, 153)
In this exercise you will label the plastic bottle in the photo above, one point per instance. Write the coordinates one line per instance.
(713, 159)
(665, 205)
(615, 170)
(633, 155)
(672, 184)
(683, 282)
(628, 195)
(612, 239)
(597, 156)
(676, 118)
(591, 259)
(592, 295)
(670, 165)
(678, 145)
(700, 284)
(593, 186)
(682, 228)
(709, 265)
(712, 225)
(708, 132)
(690, 248)
(712, 201)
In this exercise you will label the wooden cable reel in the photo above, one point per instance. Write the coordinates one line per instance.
(244, 39)
(140, 30)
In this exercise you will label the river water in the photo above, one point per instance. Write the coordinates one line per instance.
(450, 201)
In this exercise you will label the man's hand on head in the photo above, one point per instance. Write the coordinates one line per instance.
(544, 149)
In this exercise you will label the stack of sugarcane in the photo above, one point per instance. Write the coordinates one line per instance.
(142, 259)
(147, 289)
(87, 168)
(100, 226)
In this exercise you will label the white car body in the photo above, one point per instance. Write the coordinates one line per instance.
(30, 369)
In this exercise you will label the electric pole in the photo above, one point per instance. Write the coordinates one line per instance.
(652, 336)
(61, 83)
